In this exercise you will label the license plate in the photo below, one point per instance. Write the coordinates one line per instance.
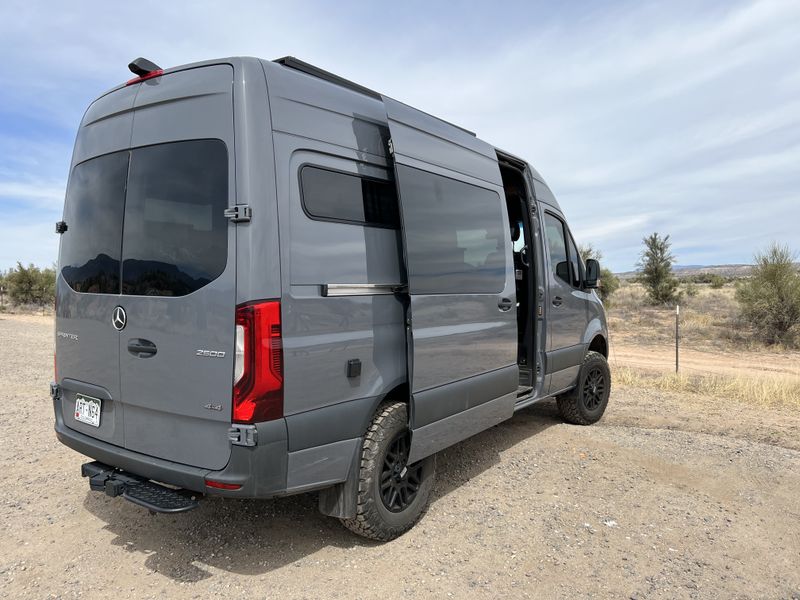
(87, 410)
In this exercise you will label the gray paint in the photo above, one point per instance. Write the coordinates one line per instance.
(328, 424)
(462, 349)
(440, 402)
(320, 466)
(437, 436)
(452, 336)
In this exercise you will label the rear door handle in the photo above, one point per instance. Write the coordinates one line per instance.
(504, 304)
(557, 301)
(141, 348)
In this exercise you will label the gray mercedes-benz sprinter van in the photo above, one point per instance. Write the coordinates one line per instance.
(273, 280)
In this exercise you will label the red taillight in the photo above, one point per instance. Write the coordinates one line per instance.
(149, 75)
(222, 486)
(258, 391)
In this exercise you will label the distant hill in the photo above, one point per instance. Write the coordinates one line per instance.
(689, 270)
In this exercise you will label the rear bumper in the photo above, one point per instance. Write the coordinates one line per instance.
(260, 470)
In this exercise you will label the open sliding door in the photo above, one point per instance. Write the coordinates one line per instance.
(462, 325)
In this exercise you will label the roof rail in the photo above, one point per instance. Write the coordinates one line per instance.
(304, 67)
(308, 69)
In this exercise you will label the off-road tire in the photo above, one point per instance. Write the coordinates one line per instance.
(373, 519)
(586, 403)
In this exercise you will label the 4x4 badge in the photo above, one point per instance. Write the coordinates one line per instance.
(119, 318)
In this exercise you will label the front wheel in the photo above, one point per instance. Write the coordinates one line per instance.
(392, 495)
(587, 401)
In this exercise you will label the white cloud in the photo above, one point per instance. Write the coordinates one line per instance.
(641, 116)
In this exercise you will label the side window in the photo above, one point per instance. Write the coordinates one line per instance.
(337, 196)
(575, 262)
(557, 244)
(455, 235)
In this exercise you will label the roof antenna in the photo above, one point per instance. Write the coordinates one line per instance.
(142, 66)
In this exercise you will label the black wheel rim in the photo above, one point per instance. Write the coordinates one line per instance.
(594, 389)
(399, 481)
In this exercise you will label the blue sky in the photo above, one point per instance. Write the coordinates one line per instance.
(679, 117)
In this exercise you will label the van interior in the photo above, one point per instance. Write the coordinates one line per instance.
(520, 230)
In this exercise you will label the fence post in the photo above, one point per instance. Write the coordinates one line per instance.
(677, 336)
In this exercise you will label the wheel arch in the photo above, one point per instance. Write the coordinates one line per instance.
(598, 344)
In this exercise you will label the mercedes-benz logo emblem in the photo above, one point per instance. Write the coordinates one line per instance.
(119, 318)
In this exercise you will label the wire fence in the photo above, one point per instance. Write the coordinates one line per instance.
(693, 357)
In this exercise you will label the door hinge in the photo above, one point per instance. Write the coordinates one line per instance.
(55, 390)
(391, 147)
(243, 435)
(61, 227)
(239, 213)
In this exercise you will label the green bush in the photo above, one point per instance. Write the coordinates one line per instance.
(31, 285)
(717, 281)
(655, 264)
(770, 299)
(609, 283)
(690, 289)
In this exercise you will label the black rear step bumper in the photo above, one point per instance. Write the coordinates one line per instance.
(260, 470)
(153, 496)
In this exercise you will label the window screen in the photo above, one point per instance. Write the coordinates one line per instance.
(337, 196)
(176, 233)
(454, 234)
(90, 248)
(556, 243)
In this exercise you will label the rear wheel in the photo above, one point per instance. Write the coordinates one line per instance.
(392, 495)
(587, 401)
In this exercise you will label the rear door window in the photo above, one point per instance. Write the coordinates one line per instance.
(176, 232)
(158, 209)
(90, 248)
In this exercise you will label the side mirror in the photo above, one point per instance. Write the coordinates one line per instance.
(592, 279)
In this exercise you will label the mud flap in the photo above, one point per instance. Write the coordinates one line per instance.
(340, 500)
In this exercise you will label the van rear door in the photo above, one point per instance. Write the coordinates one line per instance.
(176, 350)
(462, 333)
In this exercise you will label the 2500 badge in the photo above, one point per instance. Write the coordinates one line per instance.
(211, 353)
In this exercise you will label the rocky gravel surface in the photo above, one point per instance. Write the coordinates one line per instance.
(667, 497)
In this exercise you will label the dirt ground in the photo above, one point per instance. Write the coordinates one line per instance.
(669, 496)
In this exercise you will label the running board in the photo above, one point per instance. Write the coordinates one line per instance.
(152, 496)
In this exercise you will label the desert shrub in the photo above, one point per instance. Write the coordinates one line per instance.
(31, 285)
(717, 281)
(690, 289)
(770, 299)
(655, 264)
(609, 283)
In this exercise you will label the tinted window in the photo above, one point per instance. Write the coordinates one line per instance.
(345, 197)
(574, 261)
(454, 235)
(90, 248)
(176, 233)
(556, 243)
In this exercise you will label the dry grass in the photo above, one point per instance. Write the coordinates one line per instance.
(763, 389)
(720, 356)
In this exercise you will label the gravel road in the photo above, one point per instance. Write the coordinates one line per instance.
(667, 497)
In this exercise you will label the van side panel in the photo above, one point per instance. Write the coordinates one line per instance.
(258, 260)
(320, 124)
